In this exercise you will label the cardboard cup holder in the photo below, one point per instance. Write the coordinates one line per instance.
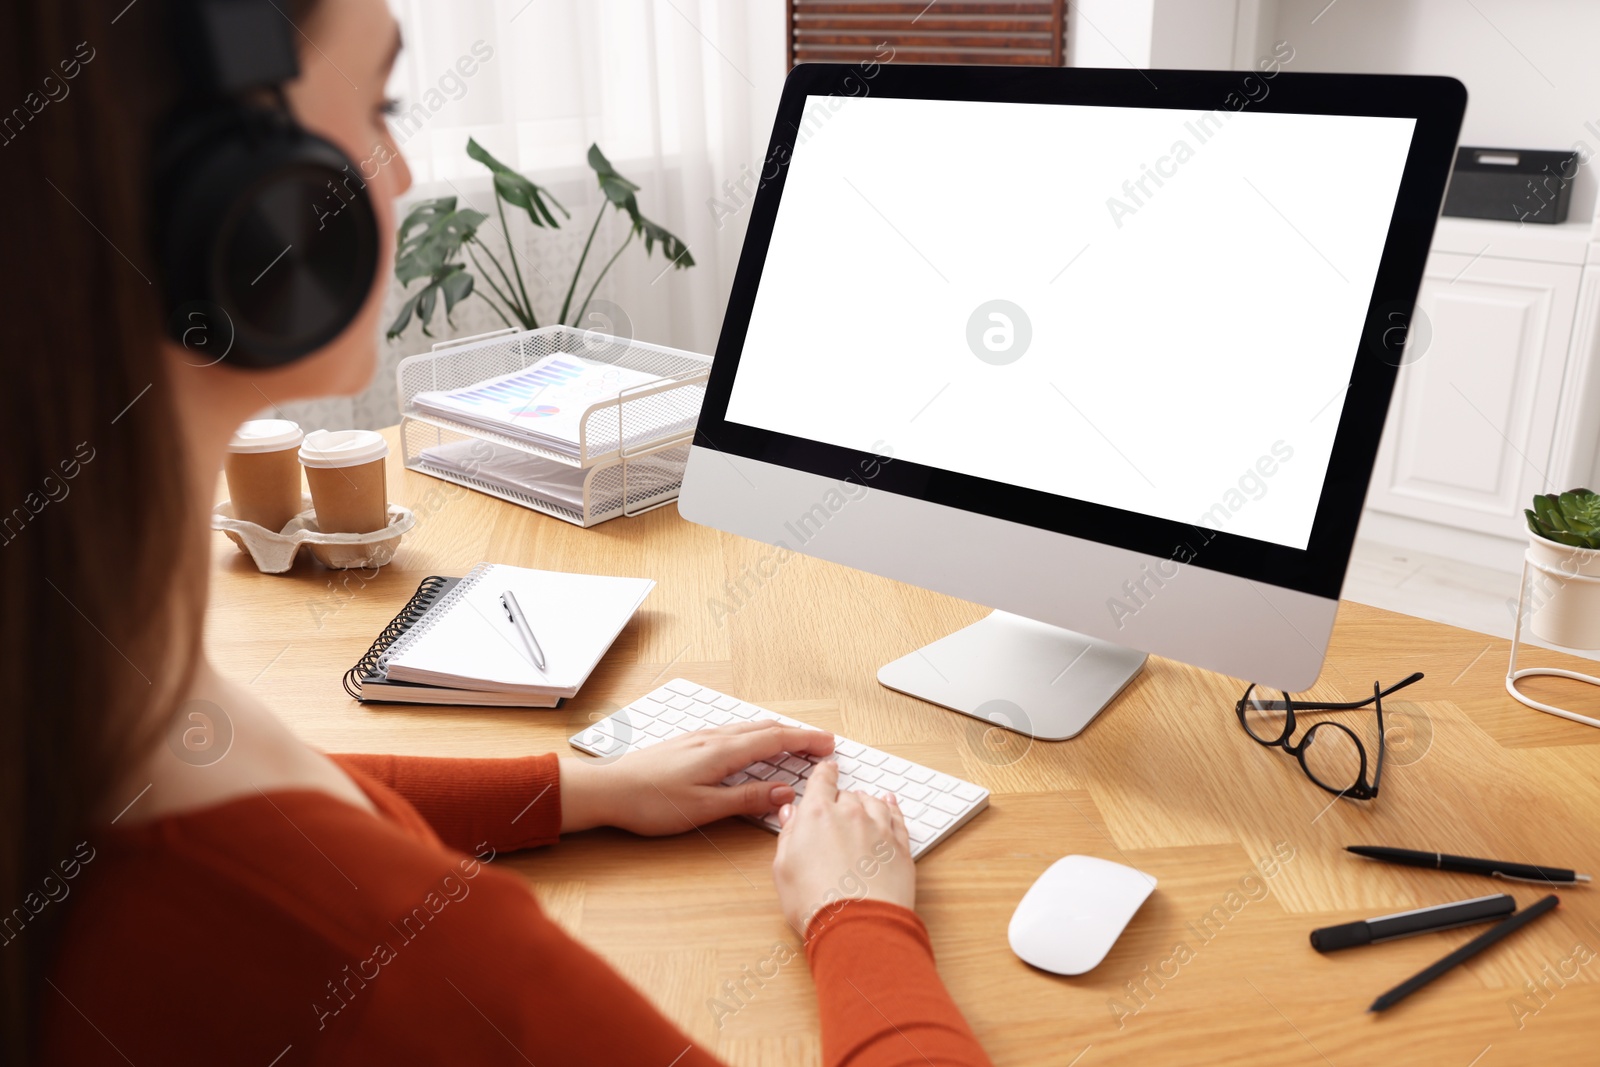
(274, 552)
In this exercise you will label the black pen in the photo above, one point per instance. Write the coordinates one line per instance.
(1406, 923)
(1443, 861)
(1465, 952)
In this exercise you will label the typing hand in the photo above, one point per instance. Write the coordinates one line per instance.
(677, 785)
(838, 846)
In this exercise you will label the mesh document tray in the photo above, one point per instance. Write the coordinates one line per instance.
(632, 448)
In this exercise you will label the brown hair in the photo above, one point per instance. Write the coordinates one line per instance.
(100, 625)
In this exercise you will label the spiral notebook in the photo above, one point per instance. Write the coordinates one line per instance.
(452, 643)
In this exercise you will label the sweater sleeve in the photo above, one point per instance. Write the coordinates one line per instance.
(879, 996)
(506, 804)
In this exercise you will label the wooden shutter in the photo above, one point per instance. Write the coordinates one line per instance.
(944, 31)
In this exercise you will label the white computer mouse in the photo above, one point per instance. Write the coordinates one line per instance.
(1069, 919)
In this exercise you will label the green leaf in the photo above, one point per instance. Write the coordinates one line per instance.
(402, 320)
(1570, 539)
(517, 190)
(425, 304)
(1581, 509)
(617, 189)
(457, 286)
(1548, 507)
(427, 251)
(671, 246)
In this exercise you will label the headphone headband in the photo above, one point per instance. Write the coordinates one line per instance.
(239, 45)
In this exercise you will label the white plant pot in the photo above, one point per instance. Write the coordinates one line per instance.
(1566, 609)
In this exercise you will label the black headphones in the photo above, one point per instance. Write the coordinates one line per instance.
(265, 232)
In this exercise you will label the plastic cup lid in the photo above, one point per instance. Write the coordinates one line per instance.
(342, 448)
(265, 435)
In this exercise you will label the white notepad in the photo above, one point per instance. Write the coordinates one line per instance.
(466, 641)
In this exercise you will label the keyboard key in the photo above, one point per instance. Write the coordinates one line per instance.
(867, 774)
(719, 718)
(919, 834)
(726, 703)
(704, 696)
(920, 775)
(672, 717)
(846, 747)
(682, 688)
(896, 765)
(658, 729)
(847, 766)
(936, 819)
(760, 770)
(783, 778)
(892, 782)
(680, 702)
(736, 778)
(872, 757)
(968, 792)
(949, 804)
(915, 791)
(943, 782)
(794, 764)
(911, 809)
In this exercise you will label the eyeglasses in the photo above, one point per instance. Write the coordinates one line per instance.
(1330, 752)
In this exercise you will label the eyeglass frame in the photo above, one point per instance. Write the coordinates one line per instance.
(1362, 789)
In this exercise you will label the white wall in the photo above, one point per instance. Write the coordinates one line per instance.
(1530, 66)
(1109, 33)
(1194, 34)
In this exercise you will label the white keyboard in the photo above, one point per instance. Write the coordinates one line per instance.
(935, 805)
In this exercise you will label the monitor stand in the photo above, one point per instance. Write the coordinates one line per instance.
(1026, 676)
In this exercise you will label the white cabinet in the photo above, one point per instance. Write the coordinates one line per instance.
(1503, 399)
(1472, 422)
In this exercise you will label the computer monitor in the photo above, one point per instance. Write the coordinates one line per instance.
(1108, 351)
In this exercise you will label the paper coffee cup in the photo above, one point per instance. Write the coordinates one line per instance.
(263, 472)
(345, 469)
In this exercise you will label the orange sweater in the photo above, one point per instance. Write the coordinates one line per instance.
(292, 928)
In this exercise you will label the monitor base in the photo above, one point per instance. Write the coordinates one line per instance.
(1026, 676)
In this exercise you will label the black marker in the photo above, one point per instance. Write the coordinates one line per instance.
(1465, 952)
(1407, 923)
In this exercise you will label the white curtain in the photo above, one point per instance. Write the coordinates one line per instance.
(679, 94)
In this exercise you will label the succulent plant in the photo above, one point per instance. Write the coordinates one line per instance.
(1573, 518)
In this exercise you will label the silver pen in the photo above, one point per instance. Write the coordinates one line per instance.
(508, 600)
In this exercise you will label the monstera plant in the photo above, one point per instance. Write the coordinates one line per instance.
(436, 234)
(1572, 518)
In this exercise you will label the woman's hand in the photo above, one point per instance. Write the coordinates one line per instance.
(677, 785)
(840, 846)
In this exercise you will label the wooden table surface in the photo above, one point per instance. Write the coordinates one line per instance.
(1215, 968)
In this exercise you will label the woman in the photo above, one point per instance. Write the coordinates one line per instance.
(282, 906)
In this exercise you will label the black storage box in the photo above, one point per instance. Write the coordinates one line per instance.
(1513, 184)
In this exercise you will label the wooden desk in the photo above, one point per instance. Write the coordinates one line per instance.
(1216, 968)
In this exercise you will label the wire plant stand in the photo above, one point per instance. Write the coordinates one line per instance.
(1514, 674)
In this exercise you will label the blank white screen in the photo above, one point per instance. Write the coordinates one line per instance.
(1192, 334)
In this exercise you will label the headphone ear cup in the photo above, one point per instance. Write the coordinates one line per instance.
(269, 243)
